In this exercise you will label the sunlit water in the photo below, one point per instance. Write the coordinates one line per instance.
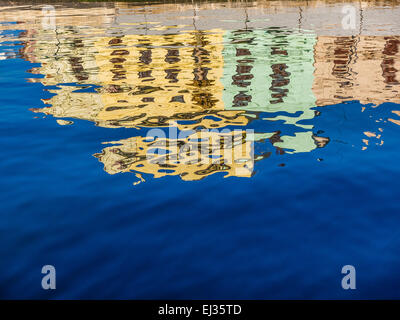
(311, 106)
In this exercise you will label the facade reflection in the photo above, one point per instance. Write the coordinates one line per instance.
(149, 74)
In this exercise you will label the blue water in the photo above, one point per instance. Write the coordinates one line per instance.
(285, 232)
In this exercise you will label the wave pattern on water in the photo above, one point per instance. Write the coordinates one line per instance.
(191, 91)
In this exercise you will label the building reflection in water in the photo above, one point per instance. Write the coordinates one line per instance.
(192, 158)
(216, 78)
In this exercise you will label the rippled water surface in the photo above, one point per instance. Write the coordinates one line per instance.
(98, 102)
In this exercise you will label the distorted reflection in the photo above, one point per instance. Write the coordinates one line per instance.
(121, 65)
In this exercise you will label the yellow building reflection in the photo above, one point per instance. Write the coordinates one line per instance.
(146, 81)
(159, 80)
(192, 158)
